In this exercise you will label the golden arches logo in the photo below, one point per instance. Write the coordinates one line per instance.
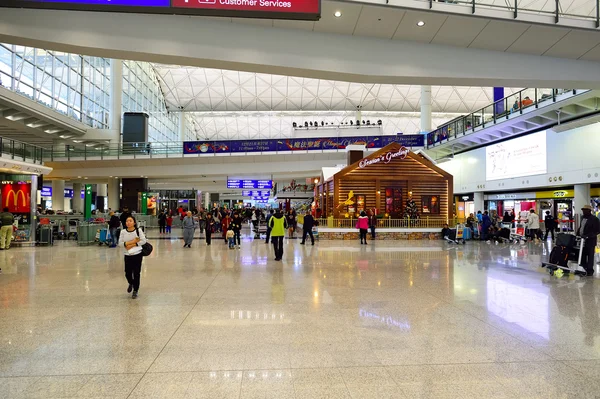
(15, 196)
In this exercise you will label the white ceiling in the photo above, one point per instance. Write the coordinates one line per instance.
(265, 125)
(394, 23)
(216, 90)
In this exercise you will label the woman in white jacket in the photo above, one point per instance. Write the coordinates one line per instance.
(132, 239)
(533, 223)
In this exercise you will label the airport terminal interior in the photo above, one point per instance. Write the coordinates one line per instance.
(299, 199)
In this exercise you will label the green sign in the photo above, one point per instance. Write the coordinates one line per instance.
(144, 207)
(87, 207)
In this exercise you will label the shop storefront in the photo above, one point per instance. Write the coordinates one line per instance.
(464, 206)
(19, 195)
(395, 182)
(520, 203)
(559, 202)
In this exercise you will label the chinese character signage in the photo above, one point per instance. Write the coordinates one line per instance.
(261, 184)
(299, 144)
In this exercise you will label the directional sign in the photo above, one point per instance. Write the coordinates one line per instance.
(260, 198)
(256, 193)
(261, 184)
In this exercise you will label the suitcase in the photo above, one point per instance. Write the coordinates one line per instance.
(559, 256)
(467, 234)
(566, 240)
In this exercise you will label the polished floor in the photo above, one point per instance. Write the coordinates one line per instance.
(334, 320)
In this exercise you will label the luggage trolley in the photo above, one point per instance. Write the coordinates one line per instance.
(517, 234)
(457, 235)
(566, 255)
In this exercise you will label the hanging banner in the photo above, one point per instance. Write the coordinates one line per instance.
(299, 144)
(16, 197)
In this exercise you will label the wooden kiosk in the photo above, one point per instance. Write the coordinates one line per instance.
(387, 180)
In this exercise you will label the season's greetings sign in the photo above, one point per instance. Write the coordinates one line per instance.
(386, 158)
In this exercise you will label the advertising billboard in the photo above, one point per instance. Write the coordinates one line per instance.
(273, 9)
(523, 156)
(16, 197)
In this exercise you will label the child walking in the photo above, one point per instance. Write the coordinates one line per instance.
(231, 239)
(169, 223)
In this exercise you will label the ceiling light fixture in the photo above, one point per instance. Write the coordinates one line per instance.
(420, 24)
(337, 14)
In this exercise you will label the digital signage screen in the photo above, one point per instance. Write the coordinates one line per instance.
(250, 184)
(523, 156)
(275, 9)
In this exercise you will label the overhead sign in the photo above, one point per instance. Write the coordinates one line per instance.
(68, 193)
(262, 184)
(256, 193)
(46, 192)
(260, 198)
(284, 9)
(299, 144)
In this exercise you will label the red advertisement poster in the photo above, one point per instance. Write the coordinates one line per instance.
(16, 197)
(263, 6)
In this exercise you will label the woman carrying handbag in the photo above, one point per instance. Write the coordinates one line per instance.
(132, 240)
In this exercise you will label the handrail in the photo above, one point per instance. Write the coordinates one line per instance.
(208, 148)
(556, 13)
(18, 150)
(491, 114)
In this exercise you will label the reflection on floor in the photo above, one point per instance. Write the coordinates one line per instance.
(337, 320)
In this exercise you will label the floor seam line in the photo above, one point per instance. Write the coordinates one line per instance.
(175, 332)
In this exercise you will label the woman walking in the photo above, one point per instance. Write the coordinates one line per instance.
(210, 226)
(363, 225)
(189, 227)
(132, 239)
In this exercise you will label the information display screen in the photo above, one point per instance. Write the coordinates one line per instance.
(275, 9)
(260, 184)
(256, 193)
(524, 156)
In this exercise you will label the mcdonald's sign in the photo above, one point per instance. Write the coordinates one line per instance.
(16, 197)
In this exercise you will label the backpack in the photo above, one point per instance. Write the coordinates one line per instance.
(559, 256)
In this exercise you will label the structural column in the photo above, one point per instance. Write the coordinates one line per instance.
(116, 95)
(582, 197)
(182, 126)
(207, 200)
(101, 194)
(77, 200)
(478, 202)
(114, 194)
(58, 195)
(425, 109)
(33, 221)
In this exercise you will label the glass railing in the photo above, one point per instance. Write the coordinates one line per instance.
(14, 149)
(587, 10)
(125, 150)
(498, 111)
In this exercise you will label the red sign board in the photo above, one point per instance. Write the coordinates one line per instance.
(272, 9)
(260, 6)
(16, 197)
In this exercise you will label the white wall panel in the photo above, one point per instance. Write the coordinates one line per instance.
(572, 157)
